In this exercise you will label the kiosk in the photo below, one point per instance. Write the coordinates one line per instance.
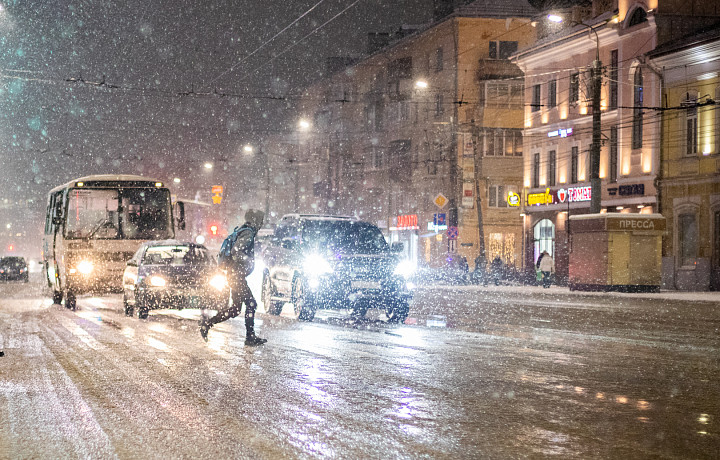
(616, 252)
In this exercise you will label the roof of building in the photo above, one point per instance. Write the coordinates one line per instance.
(708, 34)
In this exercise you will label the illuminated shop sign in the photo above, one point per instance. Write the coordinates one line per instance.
(573, 194)
(627, 190)
(563, 195)
(561, 133)
(407, 222)
(534, 199)
(513, 199)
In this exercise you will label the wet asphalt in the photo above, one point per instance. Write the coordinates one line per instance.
(476, 372)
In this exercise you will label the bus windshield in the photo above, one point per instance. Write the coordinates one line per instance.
(131, 213)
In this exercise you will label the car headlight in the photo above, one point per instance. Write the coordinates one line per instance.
(157, 281)
(85, 267)
(405, 269)
(315, 265)
(219, 282)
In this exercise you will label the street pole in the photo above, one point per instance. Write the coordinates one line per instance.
(595, 191)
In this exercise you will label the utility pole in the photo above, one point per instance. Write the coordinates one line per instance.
(595, 189)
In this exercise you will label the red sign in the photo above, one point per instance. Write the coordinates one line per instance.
(407, 222)
(217, 189)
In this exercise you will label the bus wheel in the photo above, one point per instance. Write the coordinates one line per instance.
(57, 297)
(70, 300)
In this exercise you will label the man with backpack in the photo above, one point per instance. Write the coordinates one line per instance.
(237, 256)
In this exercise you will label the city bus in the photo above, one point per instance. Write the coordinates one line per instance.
(94, 225)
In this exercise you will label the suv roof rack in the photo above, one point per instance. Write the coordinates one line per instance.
(317, 217)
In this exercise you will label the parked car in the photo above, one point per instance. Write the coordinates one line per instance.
(333, 262)
(173, 274)
(13, 268)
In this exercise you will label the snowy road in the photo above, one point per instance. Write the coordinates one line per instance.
(517, 372)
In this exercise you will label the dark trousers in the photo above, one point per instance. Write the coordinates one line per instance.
(241, 294)
(546, 279)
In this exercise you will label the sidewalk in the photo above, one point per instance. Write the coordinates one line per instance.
(704, 296)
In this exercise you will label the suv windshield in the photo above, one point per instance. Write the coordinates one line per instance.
(347, 237)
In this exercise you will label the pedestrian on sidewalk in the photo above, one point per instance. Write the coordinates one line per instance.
(239, 265)
(546, 264)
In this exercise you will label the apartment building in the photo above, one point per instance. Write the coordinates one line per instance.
(690, 165)
(423, 133)
(558, 114)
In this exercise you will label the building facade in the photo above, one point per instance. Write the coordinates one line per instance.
(425, 134)
(690, 169)
(559, 126)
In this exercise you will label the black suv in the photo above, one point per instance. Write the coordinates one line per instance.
(332, 262)
(13, 268)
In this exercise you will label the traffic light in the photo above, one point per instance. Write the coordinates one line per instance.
(213, 229)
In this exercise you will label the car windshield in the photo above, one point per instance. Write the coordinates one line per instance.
(347, 237)
(12, 262)
(177, 255)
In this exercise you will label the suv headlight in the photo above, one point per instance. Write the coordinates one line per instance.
(316, 265)
(405, 269)
(157, 281)
(219, 282)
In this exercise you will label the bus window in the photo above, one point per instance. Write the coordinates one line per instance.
(145, 214)
(92, 214)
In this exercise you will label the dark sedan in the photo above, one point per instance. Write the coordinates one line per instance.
(13, 268)
(173, 274)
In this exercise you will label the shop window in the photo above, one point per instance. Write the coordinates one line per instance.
(637, 124)
(716, 239)
(497, 196)
(535, 105)
(502, 49)
(687, 239)
(613, 103)
(574, 88)
(552, 168)
(501, 245)
(552, 94)
(574, 158)
(613, 154)
(691, 123)
(544, 238)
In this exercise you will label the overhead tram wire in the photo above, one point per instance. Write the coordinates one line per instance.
(269, 61)
(232, 67)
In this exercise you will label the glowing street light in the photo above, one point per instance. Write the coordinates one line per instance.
(248, 149)
(555, 18)
(208, 165)
(422, 84)
(176, 180)
(303, 124)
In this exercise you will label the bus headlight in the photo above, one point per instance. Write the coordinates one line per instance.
(219, 282)
(157, 281)
(85, 267)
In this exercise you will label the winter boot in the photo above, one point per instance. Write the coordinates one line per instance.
(205, 326)
(251, 339)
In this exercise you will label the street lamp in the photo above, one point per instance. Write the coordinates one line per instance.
(595, 184)
(248, 149)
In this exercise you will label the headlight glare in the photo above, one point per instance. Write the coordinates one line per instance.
(85, 267)
(157, 281)
(219, 282)
(315, 265)
(405, 269)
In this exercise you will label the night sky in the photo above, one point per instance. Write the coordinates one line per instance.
(128, 63)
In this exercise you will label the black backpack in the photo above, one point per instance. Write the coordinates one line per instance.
(225, 256)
